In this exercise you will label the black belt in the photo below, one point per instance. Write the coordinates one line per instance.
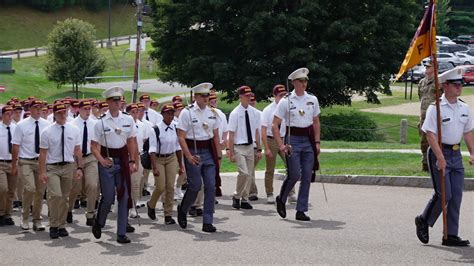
(163, 155)
(244, 144)
(270, 137)
(60, 163)
(5, 161)
(86, 155)
(30, 159)
(453, 147)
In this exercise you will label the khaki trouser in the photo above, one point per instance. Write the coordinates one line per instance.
(89, 183)
(253, 186)
(146, 175)
(7, 189)
(270, 164)
(33, 189)
(168, 168)
(59, 187)
(423, 143)
(244, 158)
(137, 183)
(19, 187)
(181, 180)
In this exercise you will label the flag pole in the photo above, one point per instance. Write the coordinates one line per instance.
(438, 121)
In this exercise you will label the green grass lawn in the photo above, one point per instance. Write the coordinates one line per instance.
(364, 163)
(23, 27)
(30, 78)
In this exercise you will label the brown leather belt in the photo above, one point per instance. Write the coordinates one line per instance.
(454, 147)
(164, 155)
(299, 131)
(60, 163)
(200, 144)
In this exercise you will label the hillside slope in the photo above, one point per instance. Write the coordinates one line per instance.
(23, 27)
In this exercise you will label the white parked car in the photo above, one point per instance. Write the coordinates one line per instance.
(444, 40)
(449, 58)
(465, 58)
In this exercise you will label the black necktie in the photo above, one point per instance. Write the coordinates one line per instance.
(146, 116)
(62, 141)
(168, 127)
(84, 140)
(247, 125)
(9, 140)
(37, 138)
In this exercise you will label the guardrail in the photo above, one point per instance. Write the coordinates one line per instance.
(37, 51)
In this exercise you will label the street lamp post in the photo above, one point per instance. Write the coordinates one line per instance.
(109, 42)
(137, 51)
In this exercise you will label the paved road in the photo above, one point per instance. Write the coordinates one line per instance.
(359, 225)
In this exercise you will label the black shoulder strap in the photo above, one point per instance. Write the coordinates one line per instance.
(157, 132)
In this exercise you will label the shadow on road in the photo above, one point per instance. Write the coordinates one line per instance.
(321, 224)
(133, 249)
(219, 236)
(466, 253)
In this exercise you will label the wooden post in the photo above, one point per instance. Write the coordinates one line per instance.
(403, 131)
(18, 53)
(116, 41)
(36, 51)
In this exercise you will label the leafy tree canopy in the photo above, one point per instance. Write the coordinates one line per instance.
(72, 54)
(349, 46)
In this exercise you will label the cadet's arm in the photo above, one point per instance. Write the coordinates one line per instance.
(433, 142)
(469, 140)
(276, 131)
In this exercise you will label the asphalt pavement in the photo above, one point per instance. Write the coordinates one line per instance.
(358, 225)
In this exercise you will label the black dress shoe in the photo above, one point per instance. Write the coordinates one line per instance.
(123, 239)
(77, 204)
(301, 216)
(130, 229)
(281, 209)
(63, 232)
(96, 229)
(199, 212)
(151, 212)
(69, 218)
(83, 204)
(53, 233)
(455, 241)
(182, 221)
(169, 220)
(235, 203)
(209, 228)
(8, 221)
(145, 192)
(245, 205)
(192, 211)
(2, 220)
(89, 221)
(253, 198)
(422, 230)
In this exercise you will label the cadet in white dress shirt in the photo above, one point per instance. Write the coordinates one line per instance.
(8, 181)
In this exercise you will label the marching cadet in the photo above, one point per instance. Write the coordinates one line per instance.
(104, 107)
(198, 137)
(95, 110)
(456, 123)
(149, 126)
(16, 118)
(60, 161)
(181, 180)
(300, 110)
(426, 93)
(177, 99)
(114, 146)
(166, 158)
(253, 192)
(16, 114)
(137, 177)
(154, 104)
(151, 115)
(7, 180)
(90, 181)
(25, 152)
(44, 112)
(244, 132)
(269, 142)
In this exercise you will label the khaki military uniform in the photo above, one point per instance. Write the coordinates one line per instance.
(426, 93)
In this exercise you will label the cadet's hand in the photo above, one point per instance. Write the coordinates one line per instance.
(441, 163)
(181, 170)
(78, 175)
(14, 170)
(268, 153)
(471, 160)
(231, 156)
(43, 178)
(156, 172)
(259, 155)
(107, 163)
(193, 159)
(133, 167)
(318, 148)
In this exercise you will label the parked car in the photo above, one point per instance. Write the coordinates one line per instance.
(417, 73)
(470, 52)
(468, 75)
(449, 58)
(444, 40)
(464, 39)
(443, 67)
(465, 58)
(452, 48)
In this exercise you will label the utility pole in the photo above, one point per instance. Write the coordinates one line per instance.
(109, 42)
(137, 52)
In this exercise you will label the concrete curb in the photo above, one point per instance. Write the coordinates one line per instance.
(396, 181)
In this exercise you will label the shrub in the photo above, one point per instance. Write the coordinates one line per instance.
(352, 126)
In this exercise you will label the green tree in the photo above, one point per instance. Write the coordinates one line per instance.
(72, 54)
(349, 46)
(442, 18)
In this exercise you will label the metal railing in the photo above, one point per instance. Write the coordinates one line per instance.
(37, 51)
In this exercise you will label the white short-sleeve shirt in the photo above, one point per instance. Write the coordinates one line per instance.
(168, 139)
(237, 123)
(114, 130)
(4, 152)
(51, 140)
(267, 120)
(455, 121)
(204, 121)
(25, 136)
(90, 123)
(302, 109)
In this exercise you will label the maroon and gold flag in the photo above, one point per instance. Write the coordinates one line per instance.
(424, 42)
